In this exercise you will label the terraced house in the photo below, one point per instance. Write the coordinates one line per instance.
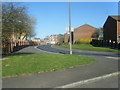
(84, 33)
(81, 34)
(112, 29)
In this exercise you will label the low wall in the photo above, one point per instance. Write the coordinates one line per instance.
(106, 43)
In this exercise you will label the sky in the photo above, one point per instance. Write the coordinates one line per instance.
(52, 17)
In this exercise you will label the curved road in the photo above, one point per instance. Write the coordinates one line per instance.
(57, 49)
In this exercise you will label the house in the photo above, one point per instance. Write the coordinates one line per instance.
(83, 33)
(111, 29)
(53, 39)
(57, 38)
(66, 38)
(60, 38)
(36, 40)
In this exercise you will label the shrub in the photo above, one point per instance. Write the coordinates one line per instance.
(85, 40)
(57, 44)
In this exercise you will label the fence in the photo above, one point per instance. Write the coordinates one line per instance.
(106, 43)
(12, 46)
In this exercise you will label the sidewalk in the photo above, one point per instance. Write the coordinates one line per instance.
(62, 77)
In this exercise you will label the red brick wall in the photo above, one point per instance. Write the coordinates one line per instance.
(84, 31)
(118, 30)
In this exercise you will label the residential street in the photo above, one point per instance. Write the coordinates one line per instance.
(60, 44)
(106, 63)
(57, 49)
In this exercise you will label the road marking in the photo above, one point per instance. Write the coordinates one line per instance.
(113, 58)
(89, 80)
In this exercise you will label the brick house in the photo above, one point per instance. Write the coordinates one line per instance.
(112, 29)
(57, 38)
(84, 32)
(37, 41)
(66, 38)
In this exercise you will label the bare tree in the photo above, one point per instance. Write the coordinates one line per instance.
(15, 20)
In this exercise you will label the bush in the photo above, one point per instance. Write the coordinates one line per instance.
(85, 40)
(58, 44)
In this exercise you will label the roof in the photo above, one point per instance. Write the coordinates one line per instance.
(117, 17)
(83, 26)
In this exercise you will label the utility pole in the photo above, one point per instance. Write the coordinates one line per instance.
(70, 42)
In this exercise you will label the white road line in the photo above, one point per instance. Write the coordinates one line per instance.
(89, 80)
(113, 58)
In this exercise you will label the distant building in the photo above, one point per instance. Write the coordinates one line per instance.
(36, 40)
(66, 38)
(53, 39)
(44, 42)
(83, 33)
(112, 29)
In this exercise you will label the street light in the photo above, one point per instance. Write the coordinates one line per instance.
(70, 27)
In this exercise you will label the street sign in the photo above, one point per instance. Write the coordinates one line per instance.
(67, 28)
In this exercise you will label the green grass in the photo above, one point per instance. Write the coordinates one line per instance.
(89, 47)
(36, 63)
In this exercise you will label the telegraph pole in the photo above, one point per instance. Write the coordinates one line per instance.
(70, 42)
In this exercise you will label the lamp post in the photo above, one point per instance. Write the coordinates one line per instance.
(70, 27)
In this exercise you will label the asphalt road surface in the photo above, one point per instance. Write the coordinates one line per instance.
(61, 50)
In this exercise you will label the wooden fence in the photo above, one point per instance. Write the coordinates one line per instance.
(12, 46)
(106, 43)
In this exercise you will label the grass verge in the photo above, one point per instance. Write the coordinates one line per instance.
(36, 63)
(89, 47)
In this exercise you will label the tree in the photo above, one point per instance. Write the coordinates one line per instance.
(15, 20)
(97, 33)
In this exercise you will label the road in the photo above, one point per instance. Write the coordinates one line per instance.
(57, 49)
(106, 63)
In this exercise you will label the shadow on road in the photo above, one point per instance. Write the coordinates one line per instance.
(14, 54)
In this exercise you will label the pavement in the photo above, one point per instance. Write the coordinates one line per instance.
(106, 63)
(103, 83)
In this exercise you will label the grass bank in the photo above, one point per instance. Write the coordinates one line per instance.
(37, 63)
(89, 47)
